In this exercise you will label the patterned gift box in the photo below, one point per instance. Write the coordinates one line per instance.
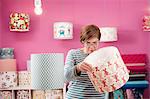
(6, 53)
(19, 22)
(38, 94)
(5, 95)
(109, 71)
(7, 65)
(23, 94)
(54, 94)
(24, 78)
(8, 79)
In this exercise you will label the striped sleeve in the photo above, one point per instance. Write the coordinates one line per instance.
(70, 68)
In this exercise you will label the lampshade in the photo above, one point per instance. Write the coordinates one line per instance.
(47, 71)
(63, 30)
(109, 71)
(19, 22)
(108, 34)
(146, 23)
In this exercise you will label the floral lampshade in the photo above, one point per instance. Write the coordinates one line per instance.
(146, 23)
(109, 71)
(63, 30)
(108, 34)
(19, 22)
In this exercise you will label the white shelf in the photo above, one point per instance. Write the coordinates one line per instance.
(18, 88)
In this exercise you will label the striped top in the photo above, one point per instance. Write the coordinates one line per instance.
(80, 86)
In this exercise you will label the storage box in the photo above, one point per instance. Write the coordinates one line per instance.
(7, 65)
(24, 78)
(8, 79)
(6, 53)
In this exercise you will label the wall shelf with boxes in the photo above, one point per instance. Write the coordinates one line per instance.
(28, 93)
(21, 89)
(17, 84)
(15, 93)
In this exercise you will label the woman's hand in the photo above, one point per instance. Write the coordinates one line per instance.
(84, 67)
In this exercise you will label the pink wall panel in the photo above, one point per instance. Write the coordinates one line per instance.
(126, 15)
(0, 24)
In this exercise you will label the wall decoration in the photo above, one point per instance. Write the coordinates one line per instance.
(146, 23)
(109, 71)
(108, 34)
(63, 30)
(19, 22)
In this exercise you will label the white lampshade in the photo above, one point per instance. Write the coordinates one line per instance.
(47, 71)
(109, 71)
(108, 34)
(63, 30)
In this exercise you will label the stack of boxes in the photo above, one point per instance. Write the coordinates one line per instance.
(8, 74)
(20, 81)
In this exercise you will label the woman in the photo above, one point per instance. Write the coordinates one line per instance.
(80, 86)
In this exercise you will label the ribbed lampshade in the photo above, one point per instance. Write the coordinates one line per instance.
(109, 71)
(108, 34)
(47, 71)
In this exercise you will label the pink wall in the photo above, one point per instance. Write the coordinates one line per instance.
(124, 14)
(0, 24)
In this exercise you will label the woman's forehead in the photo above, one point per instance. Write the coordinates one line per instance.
(93, 39)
